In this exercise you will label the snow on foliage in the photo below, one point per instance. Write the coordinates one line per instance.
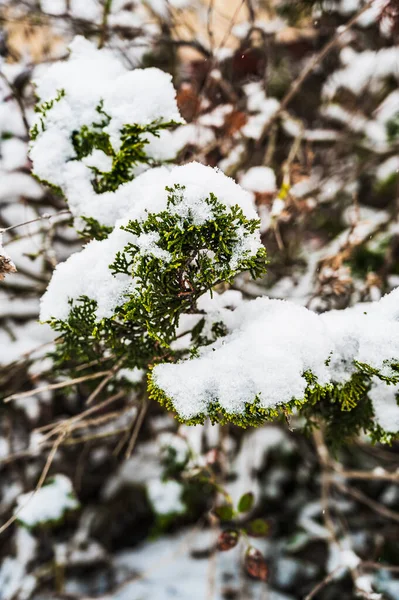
(259, 179)
(385, 405)
(165, 496)
(48, 505)
(171, 235)
(14, 572)
(272, 348)
(93, 125)
(87, 273)
(363, 69)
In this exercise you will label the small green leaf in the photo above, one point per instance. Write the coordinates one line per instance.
(258, 528)
(246, 502)
(224, 512)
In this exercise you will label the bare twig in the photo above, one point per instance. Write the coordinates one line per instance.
(137, 427)
(376, 506)
(324, 459)
(55, 386)
(69, 422)
(104, 24)
(103, 383)
(323, 583)
(42, 479)
(380, 475)
(42, 218)
(211, 35)
(231, 24)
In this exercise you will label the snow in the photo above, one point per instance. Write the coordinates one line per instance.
(12, 154)
(252, 457)
(277, 207)
(10, 118)
(14, 576)
(49, 503)
(271, 345)
(216, 117)
(90, 10)
(15, 185)
(169, 568)
(27, 337)
(169, 442)
(268, 26)
(233, 157)
(363, 70)
(255, 124)
(369, 17)
(162, 8)
(342, 558)
(385, 405)
(192, 134)
(219, 372)
(259, 179)
(87, 272)
(140, 96)
(165, 496)
(53, 7)
(132, 375)
(264, 108)
(388, 108)
(388, 168)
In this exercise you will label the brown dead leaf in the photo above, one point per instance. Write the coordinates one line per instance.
(255, 564)
(234, 121)
(6, 267)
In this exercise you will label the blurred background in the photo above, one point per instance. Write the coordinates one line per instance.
(299, 102)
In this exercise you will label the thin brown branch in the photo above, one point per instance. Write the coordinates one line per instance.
(104, 382)
(380, 475)
(322, 584)
(104, 24)
(137, 428)
(69, 422)
(55, 386)
(42, 479)
(375, 506)
(42, 218)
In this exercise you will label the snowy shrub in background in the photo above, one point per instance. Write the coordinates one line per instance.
(149, 293)
(48, 505)
(97, 127)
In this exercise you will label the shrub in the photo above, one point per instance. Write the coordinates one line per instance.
(149, 294)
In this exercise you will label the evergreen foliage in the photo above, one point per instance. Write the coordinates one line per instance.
(169, 259)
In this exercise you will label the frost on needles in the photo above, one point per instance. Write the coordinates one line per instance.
(148, 294)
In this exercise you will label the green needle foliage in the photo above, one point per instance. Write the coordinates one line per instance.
(193, 259)
(167, 260)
